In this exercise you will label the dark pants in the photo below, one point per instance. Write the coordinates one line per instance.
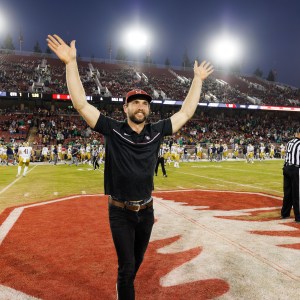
(160, 161)
(131, 234)
(291, 191)
(95, 162)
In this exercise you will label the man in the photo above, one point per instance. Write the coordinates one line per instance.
(291, 172)
(45, 152)
(262, 154)
(95, 154)
(161, 161)
(250, 154)
(55, 155)
(10, 155)
(131, 151)
(282, 151)
(74, 154)
(24, 153)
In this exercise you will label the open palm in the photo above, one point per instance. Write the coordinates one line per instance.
(61, 49)
(203, 70)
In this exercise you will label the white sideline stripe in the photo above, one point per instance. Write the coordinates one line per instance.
(12, 183)
(249, 171)
(180, 187)
(228, 240)
(15, 214)
(7, 293)
(9, 222)
(226, 181)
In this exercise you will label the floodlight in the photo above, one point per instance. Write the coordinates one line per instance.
(3, 24)
(226, 49)
(136, 38)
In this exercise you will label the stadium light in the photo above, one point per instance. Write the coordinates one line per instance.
(226, 49)
(3, 22)
(136, 38)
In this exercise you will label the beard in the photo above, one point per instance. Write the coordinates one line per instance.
(132, 117)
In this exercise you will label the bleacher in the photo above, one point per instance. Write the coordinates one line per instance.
(19, 72)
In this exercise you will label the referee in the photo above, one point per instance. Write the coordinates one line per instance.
(161, 161)
(291, 172)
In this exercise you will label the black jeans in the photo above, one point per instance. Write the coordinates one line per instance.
(131, 234)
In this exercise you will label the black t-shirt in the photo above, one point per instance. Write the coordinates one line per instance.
(130, 158)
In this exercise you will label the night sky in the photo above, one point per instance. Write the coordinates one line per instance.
(269, 29)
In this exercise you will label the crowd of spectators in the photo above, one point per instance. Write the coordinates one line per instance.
(19, 73)
(65, 126)
(239, 128)
(14, 126)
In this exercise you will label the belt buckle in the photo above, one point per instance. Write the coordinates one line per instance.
(138, 207)
(131, 207)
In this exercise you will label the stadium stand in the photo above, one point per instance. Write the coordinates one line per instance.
(49, 122)
(46, 74)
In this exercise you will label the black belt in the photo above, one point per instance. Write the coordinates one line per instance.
(130, 204)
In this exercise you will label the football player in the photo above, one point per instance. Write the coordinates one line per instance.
(24, 153)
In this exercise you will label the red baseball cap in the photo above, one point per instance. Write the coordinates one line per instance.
(137, 94)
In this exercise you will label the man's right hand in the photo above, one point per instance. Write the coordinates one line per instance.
(64, 52)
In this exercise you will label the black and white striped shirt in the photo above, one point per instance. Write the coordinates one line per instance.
(161, 152)
(293, 152)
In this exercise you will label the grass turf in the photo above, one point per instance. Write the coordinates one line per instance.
(46, 182)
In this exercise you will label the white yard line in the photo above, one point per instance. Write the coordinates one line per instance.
(180, 187)
(16, 180)
(201, 186)
(251, 171)
(158, 188)
(227, 181)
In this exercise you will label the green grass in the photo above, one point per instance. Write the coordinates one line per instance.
(46, 182)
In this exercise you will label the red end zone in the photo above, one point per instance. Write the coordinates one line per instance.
(63, 249)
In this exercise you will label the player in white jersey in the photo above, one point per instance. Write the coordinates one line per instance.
(282, 151)
(82, 154)
(24, 153)
(175, 155)
(88, 153)
(225, 151)
(45, 152)
(59, 152)
(250, 154)
(69, 152)
(272, 151)
(262, 154)
(236, 151)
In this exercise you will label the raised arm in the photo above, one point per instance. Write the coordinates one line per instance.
(67, 54)
(190, 103)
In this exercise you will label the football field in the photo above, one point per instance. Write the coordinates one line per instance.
(217, 235)
(46, 181)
